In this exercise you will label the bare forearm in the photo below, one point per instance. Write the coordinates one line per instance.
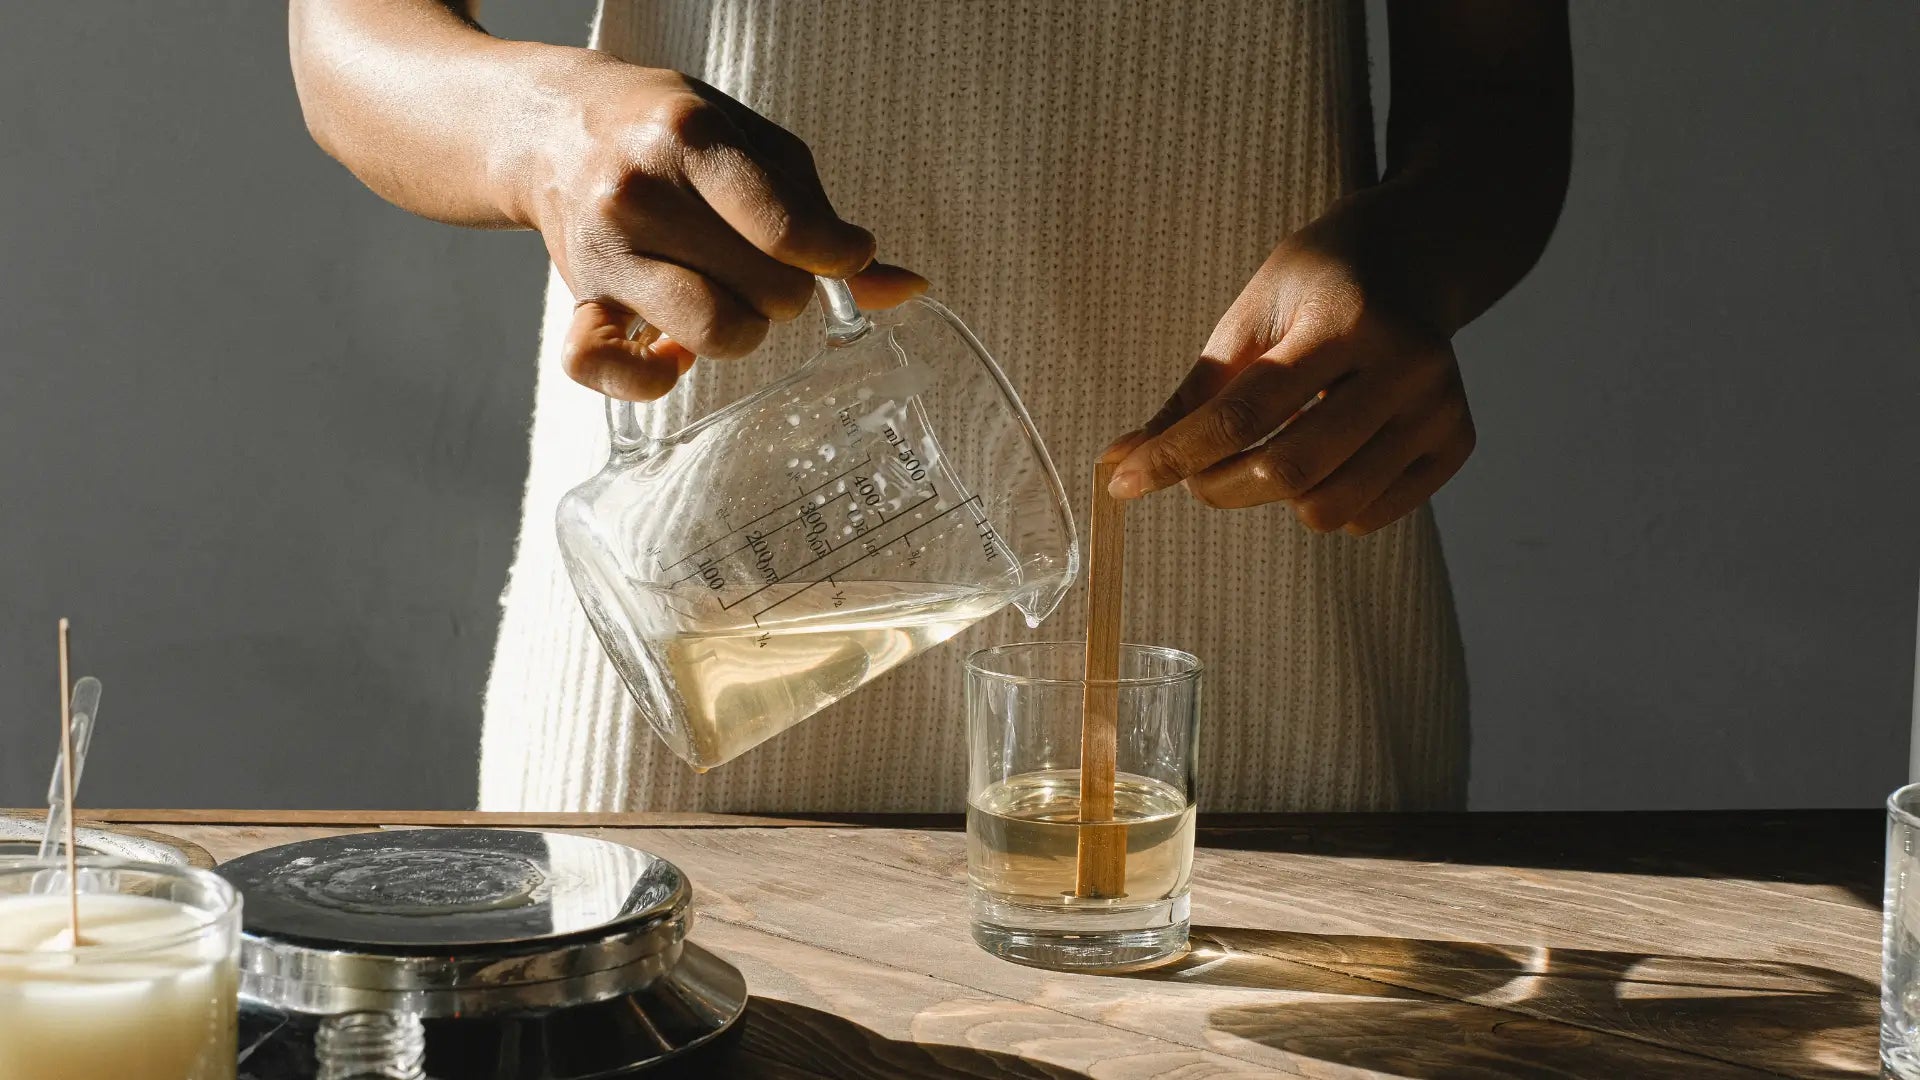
(1478, 153)
(427, 109)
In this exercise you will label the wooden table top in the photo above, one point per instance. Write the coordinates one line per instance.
(1434, 947)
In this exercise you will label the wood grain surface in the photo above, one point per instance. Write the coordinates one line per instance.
(1476, 947)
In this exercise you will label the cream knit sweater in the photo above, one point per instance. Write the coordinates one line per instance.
(1089, 184)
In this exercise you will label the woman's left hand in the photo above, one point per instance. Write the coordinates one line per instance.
(1315, 390)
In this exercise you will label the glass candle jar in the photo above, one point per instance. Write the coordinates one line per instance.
(150, 991)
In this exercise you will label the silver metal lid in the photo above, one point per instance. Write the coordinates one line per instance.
(455, 922)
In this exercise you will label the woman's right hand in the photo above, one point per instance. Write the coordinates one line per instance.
(661, 198)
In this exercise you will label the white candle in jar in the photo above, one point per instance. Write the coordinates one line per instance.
(149, 994)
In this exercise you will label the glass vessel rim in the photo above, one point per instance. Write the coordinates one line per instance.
(1187, 666)
(226, 899)
(1904, 805)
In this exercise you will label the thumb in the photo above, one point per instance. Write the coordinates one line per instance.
(881, 286)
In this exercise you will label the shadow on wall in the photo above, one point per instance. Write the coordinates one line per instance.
(1396, 1005)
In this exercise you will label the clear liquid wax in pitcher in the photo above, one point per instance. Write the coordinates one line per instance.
(742, 686)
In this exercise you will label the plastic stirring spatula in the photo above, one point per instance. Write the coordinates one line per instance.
(86, 708)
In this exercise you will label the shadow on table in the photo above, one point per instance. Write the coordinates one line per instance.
(778, 1040)
(1842, 848)
(1395, 1005)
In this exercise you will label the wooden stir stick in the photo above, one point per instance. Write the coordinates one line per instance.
(1100, 870)
(66, 785)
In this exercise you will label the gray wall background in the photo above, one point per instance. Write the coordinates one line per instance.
(263, 435)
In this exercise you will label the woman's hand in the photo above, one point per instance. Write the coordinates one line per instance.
(658, 196)
(1313, 390)
(1353, 314)
(661, 197)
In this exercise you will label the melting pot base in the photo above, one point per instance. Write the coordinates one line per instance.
(619, 1037)
(528, 956)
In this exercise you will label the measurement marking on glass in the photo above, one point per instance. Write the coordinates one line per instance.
(990, 534)
(730, 531)
(796, 519)
(754, 538)
(870, 553)
(831, 549)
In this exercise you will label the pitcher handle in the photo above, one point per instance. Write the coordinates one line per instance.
(845, 325)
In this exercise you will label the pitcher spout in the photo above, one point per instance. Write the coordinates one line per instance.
(1042, 598)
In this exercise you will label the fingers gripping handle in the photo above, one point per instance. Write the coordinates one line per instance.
(844, 321)
(845, 324)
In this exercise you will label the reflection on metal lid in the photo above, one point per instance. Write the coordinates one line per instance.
(20, 838)
(448, 922)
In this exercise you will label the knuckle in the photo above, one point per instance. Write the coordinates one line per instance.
(1335, 308)
(1166, 462)
(680, 120)
(797, 230)
(621, 207)
(1242, 323)
(690, 315)
(705, 329)
(632, 188)
(612, 202)
(1235, 420)
(786, 235)
(1278, 469)
(601, 234)
(695, 312)
(812, 235)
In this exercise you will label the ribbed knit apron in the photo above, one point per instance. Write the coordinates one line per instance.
(1089, 185)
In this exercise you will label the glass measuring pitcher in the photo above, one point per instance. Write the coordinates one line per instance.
(771, 558)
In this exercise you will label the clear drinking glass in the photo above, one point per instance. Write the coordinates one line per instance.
(1024, 705)
(150, 994)
(1900, 938)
